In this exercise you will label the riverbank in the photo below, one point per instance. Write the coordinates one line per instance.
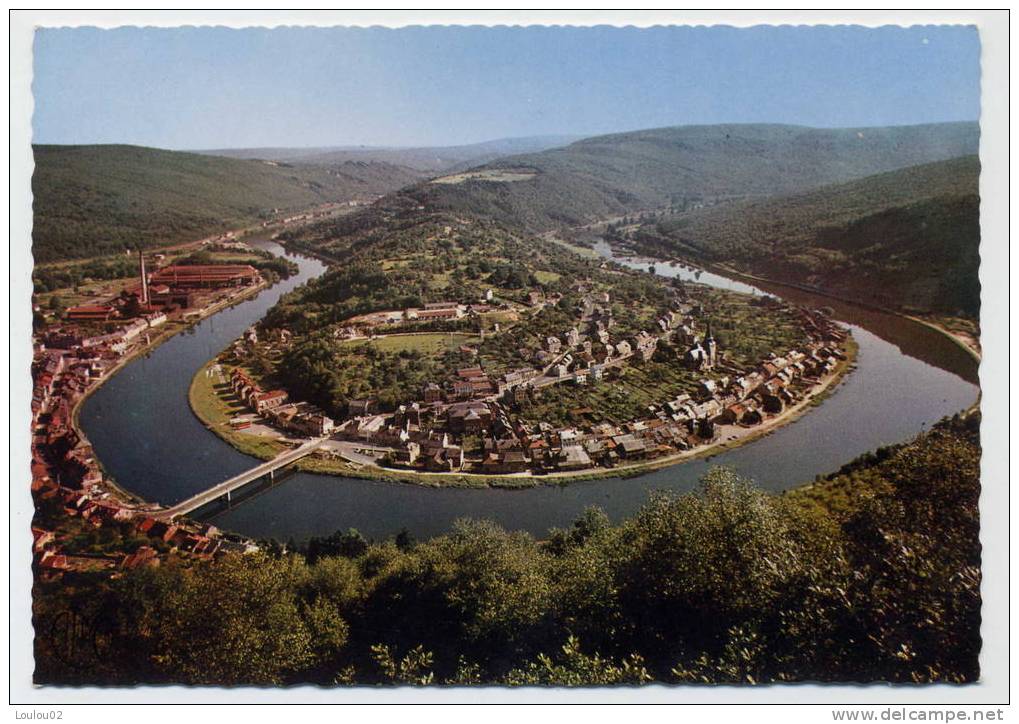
(964, 341)
(967, 344)
(970, 346)
(215, 412)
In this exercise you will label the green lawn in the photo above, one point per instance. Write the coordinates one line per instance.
(439, 281)
(579, 250)
(91, 292)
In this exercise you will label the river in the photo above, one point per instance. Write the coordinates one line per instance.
(145, 435)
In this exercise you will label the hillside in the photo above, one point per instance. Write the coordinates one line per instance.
(95, 200)
(681, 167)
(427, 159)
(395, 256)
(907, 238)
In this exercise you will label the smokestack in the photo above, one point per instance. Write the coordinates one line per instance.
(145, 279)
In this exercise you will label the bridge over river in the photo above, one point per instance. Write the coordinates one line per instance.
(226, 488)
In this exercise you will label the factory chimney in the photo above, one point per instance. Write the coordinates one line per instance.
(145, 279)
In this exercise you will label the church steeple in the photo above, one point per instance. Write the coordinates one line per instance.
(711, 347)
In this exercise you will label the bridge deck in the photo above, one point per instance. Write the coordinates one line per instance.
(207, 496)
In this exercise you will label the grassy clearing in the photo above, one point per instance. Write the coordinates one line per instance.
(90, 292)
(439, 281)
(579, 250)
(388, 264)
(502, 317)
(546, 277)
(494, 175)
(426, 344)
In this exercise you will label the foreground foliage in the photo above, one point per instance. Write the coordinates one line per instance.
(872, 574)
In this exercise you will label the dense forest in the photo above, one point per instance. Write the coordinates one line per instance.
(870, 574)
(95, 200)
(611, 175)
(908, 238)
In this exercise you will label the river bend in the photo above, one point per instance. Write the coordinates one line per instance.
(145, 435)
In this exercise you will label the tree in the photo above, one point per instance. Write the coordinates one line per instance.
(480, 589)
(233, 621)
(698, 565)
(413, 668)
(329, 633)
(349, 544)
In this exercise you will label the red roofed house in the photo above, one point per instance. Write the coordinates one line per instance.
(40, 538)
(90, 313)
(269, 400)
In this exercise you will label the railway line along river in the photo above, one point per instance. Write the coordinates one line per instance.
(145, 435)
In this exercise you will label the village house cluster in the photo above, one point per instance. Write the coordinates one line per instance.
(431, 434)
(299, 417)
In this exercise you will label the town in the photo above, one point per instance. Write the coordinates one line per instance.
(75, 355)
(475, 422)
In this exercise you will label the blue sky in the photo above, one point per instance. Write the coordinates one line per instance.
(217, 87)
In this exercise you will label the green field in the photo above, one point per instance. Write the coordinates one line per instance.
(546, 277)
(425, 343)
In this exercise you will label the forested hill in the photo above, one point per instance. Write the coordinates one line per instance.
(94, 200)
(908, 238)
(685, 166)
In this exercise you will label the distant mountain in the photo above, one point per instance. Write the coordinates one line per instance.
(908, 238)
(94, 200)
(438, 159)
(600, 177)
(743, 194)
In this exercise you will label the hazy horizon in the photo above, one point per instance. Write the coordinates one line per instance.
(390, 147)
(218, 88)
